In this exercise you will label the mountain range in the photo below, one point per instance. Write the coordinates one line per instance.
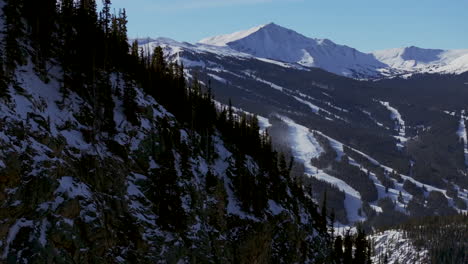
(381, 128)
(271, 41)
(262, 146)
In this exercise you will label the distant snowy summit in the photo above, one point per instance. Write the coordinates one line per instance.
(413, 60)
(273, 42)
(278, 43)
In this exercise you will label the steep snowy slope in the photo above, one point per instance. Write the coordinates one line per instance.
(99, 166)
(282, 44)
(62, 187)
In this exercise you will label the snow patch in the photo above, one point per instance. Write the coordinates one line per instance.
(272, 85)
(43, 232)
(217, 78)
(462, 134)
(400, 127)
(263, 122)
(20, 223)
(73, 189)
(274, 208)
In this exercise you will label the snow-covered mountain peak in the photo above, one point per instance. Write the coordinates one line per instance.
(425, 55)
(424, 60)
(270, 32)
(223, 40)
(275, 42)
(412, 53)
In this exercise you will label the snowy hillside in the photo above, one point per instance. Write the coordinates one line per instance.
(116, 159)
(59, 180)
(392, 247)
(436, 239)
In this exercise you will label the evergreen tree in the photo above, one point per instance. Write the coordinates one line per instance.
(105, 16)
(338, 250)
(230, 113)
(323, 220)
(41, 17)
(185, 164)
(157, 61)
(14, 34)
(165, 190)
(348, 249)
(369, 253)
(360, 242)
(3, 78)
(105, 105)
(129, 104)
(88, 7)
(123, 40)
(278, 176)
(135, 50)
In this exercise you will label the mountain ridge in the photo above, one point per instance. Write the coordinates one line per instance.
(265, 41)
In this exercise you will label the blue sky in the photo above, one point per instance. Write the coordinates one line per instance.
(363, 24)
